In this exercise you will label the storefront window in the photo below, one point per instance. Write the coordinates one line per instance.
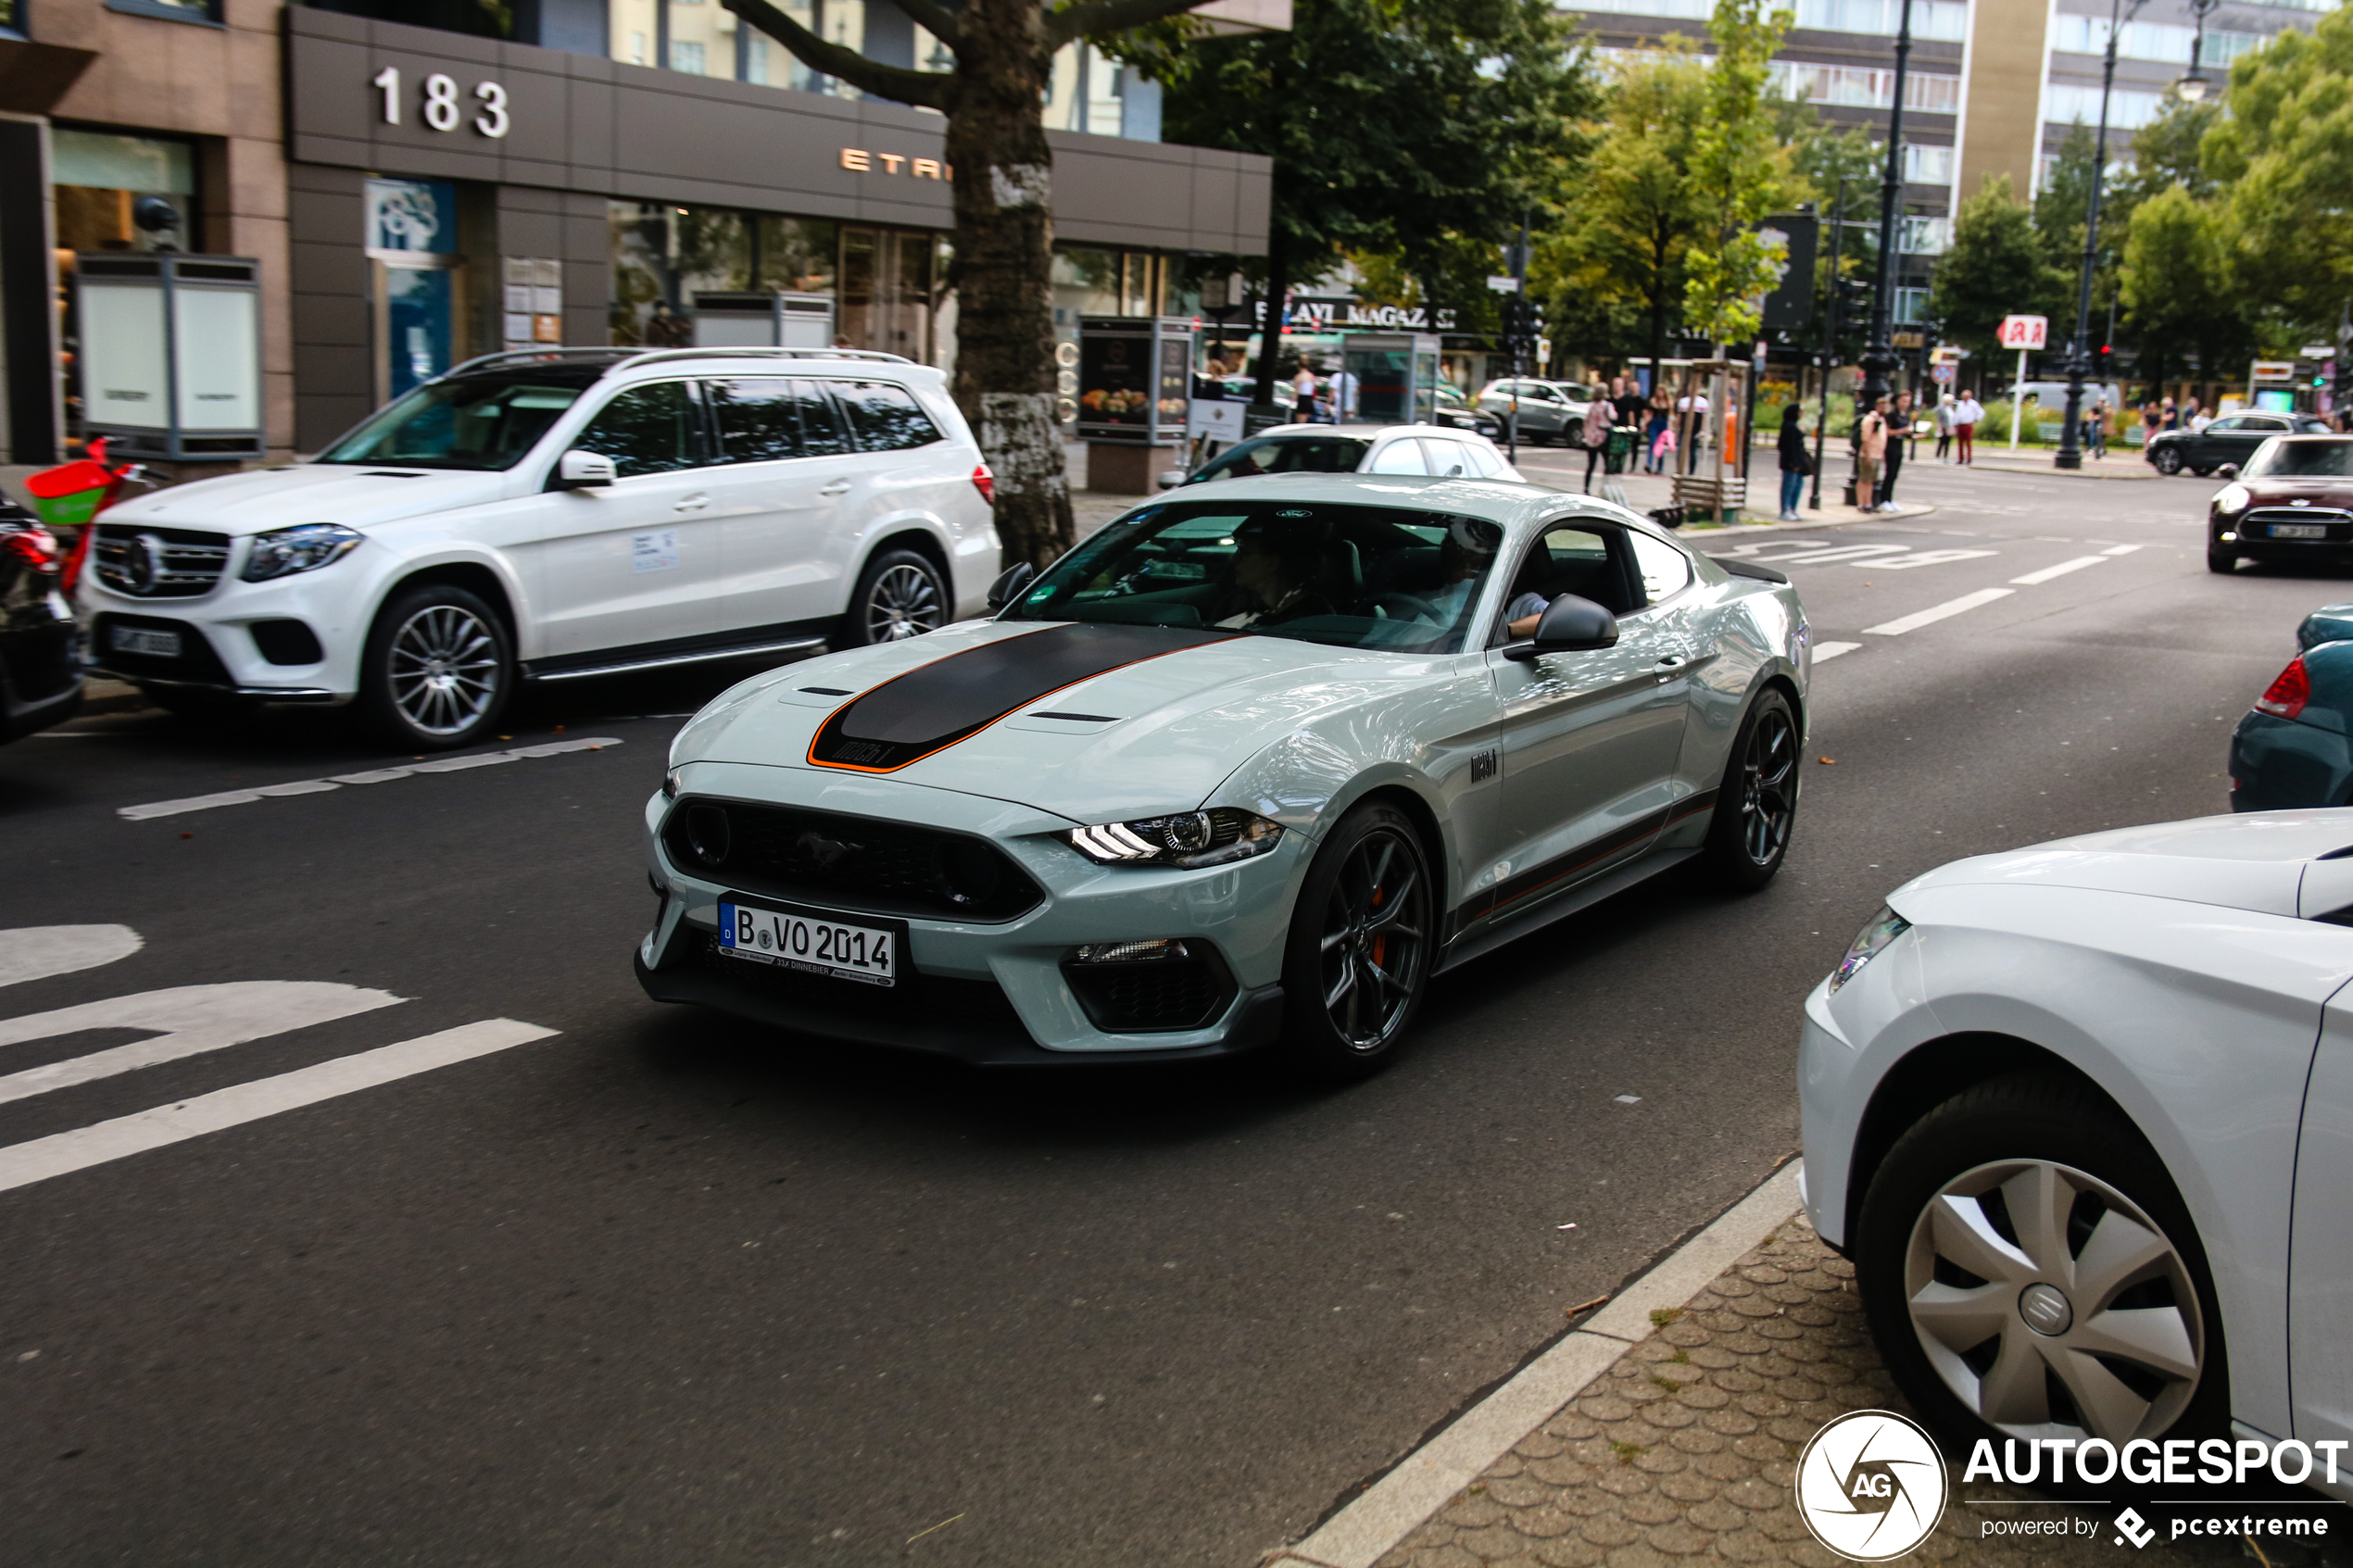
(887, 291)
(123, 193)
(662, 257)
(796, 255)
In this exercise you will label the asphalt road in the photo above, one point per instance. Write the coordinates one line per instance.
(662, 1288)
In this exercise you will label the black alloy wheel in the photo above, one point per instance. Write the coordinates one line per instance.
(1362, 938)
(2167, 461)
(439, 668)
(1756, 807)
(901, 593)
(2219, 559)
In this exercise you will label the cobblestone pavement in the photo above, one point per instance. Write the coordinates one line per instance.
(1686, 1450)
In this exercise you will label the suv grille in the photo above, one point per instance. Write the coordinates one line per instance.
(159, 563)
(847, 862)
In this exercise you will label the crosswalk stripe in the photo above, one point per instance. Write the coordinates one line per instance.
(191, 1021)
(2078, 564)
(2120, 549)
(373, 775)
(1935, 613)
(63, 1153)
(1832, 650)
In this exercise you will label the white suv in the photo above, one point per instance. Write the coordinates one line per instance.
(545, 516)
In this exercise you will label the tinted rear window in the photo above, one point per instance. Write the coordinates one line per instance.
(884, 418)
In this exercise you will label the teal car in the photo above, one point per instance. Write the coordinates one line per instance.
(2294, 747)
(1246, 767)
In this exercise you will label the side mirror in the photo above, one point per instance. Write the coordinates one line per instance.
(1009, 584)
(2228, 471)
(579, 469)
(1570, 625)
(1171, 477)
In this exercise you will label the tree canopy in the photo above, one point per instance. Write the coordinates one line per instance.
(1997, 265)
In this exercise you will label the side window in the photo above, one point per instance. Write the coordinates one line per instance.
(1666, 571)
(1399, 456)
(884, 418)
(758, 419)
(1486, 462)
(1571, 556)
(646, 430)
(1447, 459)
(2234, 423)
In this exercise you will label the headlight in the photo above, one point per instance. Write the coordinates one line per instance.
(1877, 933)
(1188, 839)
(304, 549)
(2231, 498)
(669, 784)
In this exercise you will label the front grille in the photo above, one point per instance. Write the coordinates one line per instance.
(847, 862)
(2257, 524)
(1153, 996)
(159, 563)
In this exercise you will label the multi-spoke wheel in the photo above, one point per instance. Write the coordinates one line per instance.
(1756, 805)
(1360, 946)
(439, 669)
(900, 595)
(2052, 1290)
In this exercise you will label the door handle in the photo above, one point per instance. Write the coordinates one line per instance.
(692, 504)
(1668, 665)
(839, 487)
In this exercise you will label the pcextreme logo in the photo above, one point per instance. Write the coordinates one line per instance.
(1871, 1485)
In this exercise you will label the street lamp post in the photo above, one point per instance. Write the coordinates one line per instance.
(2071, 450)
(1879, 356)
(2193, 87)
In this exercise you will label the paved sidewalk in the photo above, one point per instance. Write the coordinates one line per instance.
(1685, 1451)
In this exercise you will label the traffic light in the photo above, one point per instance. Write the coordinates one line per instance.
(1854, 295)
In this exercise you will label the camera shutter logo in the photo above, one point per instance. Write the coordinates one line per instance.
(1871, 1485)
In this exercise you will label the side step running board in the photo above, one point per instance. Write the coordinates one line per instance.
(663, 661)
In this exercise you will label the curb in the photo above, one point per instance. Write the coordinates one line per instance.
(110, 696)
(2133, 476)
(1422, 1483)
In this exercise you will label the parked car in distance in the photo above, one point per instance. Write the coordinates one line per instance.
(2292, 501)
(2231, 439)
(552, 515)
(2064, 1108)
(1549, 410)
(1309, 448)
(40, 656)
(1456, 412)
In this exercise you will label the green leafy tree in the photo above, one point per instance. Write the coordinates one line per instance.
(1830, 158)
(1995, 266)
(2282, 154)
(2177, 290)
(1739, 173)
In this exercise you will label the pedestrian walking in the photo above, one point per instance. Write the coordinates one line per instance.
(1966, 414)
(1870, 451)
(1624, 416)
(2152, 420)
(1593, 436)
(2096, 428)
(1899, 421)
(1796, 462)
(665, 329)
(1344, 394)
(2172, 416)
(1653, 429)
(1944, 430)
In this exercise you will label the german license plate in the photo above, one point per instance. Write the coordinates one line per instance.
(2299, 531)
(144, 639)
(812, 944)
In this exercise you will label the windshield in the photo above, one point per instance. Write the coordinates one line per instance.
(1286, 454)
(1352, 576)
(480, 422)
(2289, 460)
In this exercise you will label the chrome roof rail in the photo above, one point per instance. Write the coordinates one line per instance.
(663, 356)
(521, 356)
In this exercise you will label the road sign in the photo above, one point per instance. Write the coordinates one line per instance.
(1906, 340)
(1941, 374)
(2319, 351)
(2025, 331)
(1503, 285)
(2273, 370)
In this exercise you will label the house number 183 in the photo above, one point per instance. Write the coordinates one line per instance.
(437, 105)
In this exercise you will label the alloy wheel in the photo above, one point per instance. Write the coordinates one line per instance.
(904, 602)
(1375, 936)
(2052, 1306)
(1768, 786)
(444, 668)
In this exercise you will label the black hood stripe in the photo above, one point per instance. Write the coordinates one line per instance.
(933, 706)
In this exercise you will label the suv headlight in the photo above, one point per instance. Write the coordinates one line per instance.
(1877, 933)
(305, 547)
(1187, 839)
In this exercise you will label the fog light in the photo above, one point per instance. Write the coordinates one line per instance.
(1133, 952)
(2230, 538)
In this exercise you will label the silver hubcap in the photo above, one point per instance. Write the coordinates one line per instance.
(905, 603)
(2052, 1306)
(444, 670)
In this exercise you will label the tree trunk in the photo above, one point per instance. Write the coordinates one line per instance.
(1002, 270)
(1270, 332)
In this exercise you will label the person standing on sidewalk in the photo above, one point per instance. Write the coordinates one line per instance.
(1899, 420)
(1796, 462)
(1593, 436)
(1966, 413)
(1944, 430)
(1871, 450)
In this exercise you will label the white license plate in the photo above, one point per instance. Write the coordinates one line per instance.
(2299, 531)
(142, 639)
(812, 946)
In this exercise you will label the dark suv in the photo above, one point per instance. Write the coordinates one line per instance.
(2231, 439)
(40, 656)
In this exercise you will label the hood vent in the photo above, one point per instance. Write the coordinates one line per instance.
(388, 474)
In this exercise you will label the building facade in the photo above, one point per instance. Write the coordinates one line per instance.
(415, 194)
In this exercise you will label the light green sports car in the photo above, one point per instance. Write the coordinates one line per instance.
(1247, 767)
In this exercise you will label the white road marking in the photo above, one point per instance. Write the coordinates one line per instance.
(1832, 650)
(1843, 552)
(2120, 549)
(373, 775)
(193, 1019)
(61, 1153)
(1923, 558)
(36, 952)
(1935, 613)
(2078, 564)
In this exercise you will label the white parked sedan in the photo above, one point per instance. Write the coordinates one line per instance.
(2083, 1116)
(1428, 451)
(553, 515)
